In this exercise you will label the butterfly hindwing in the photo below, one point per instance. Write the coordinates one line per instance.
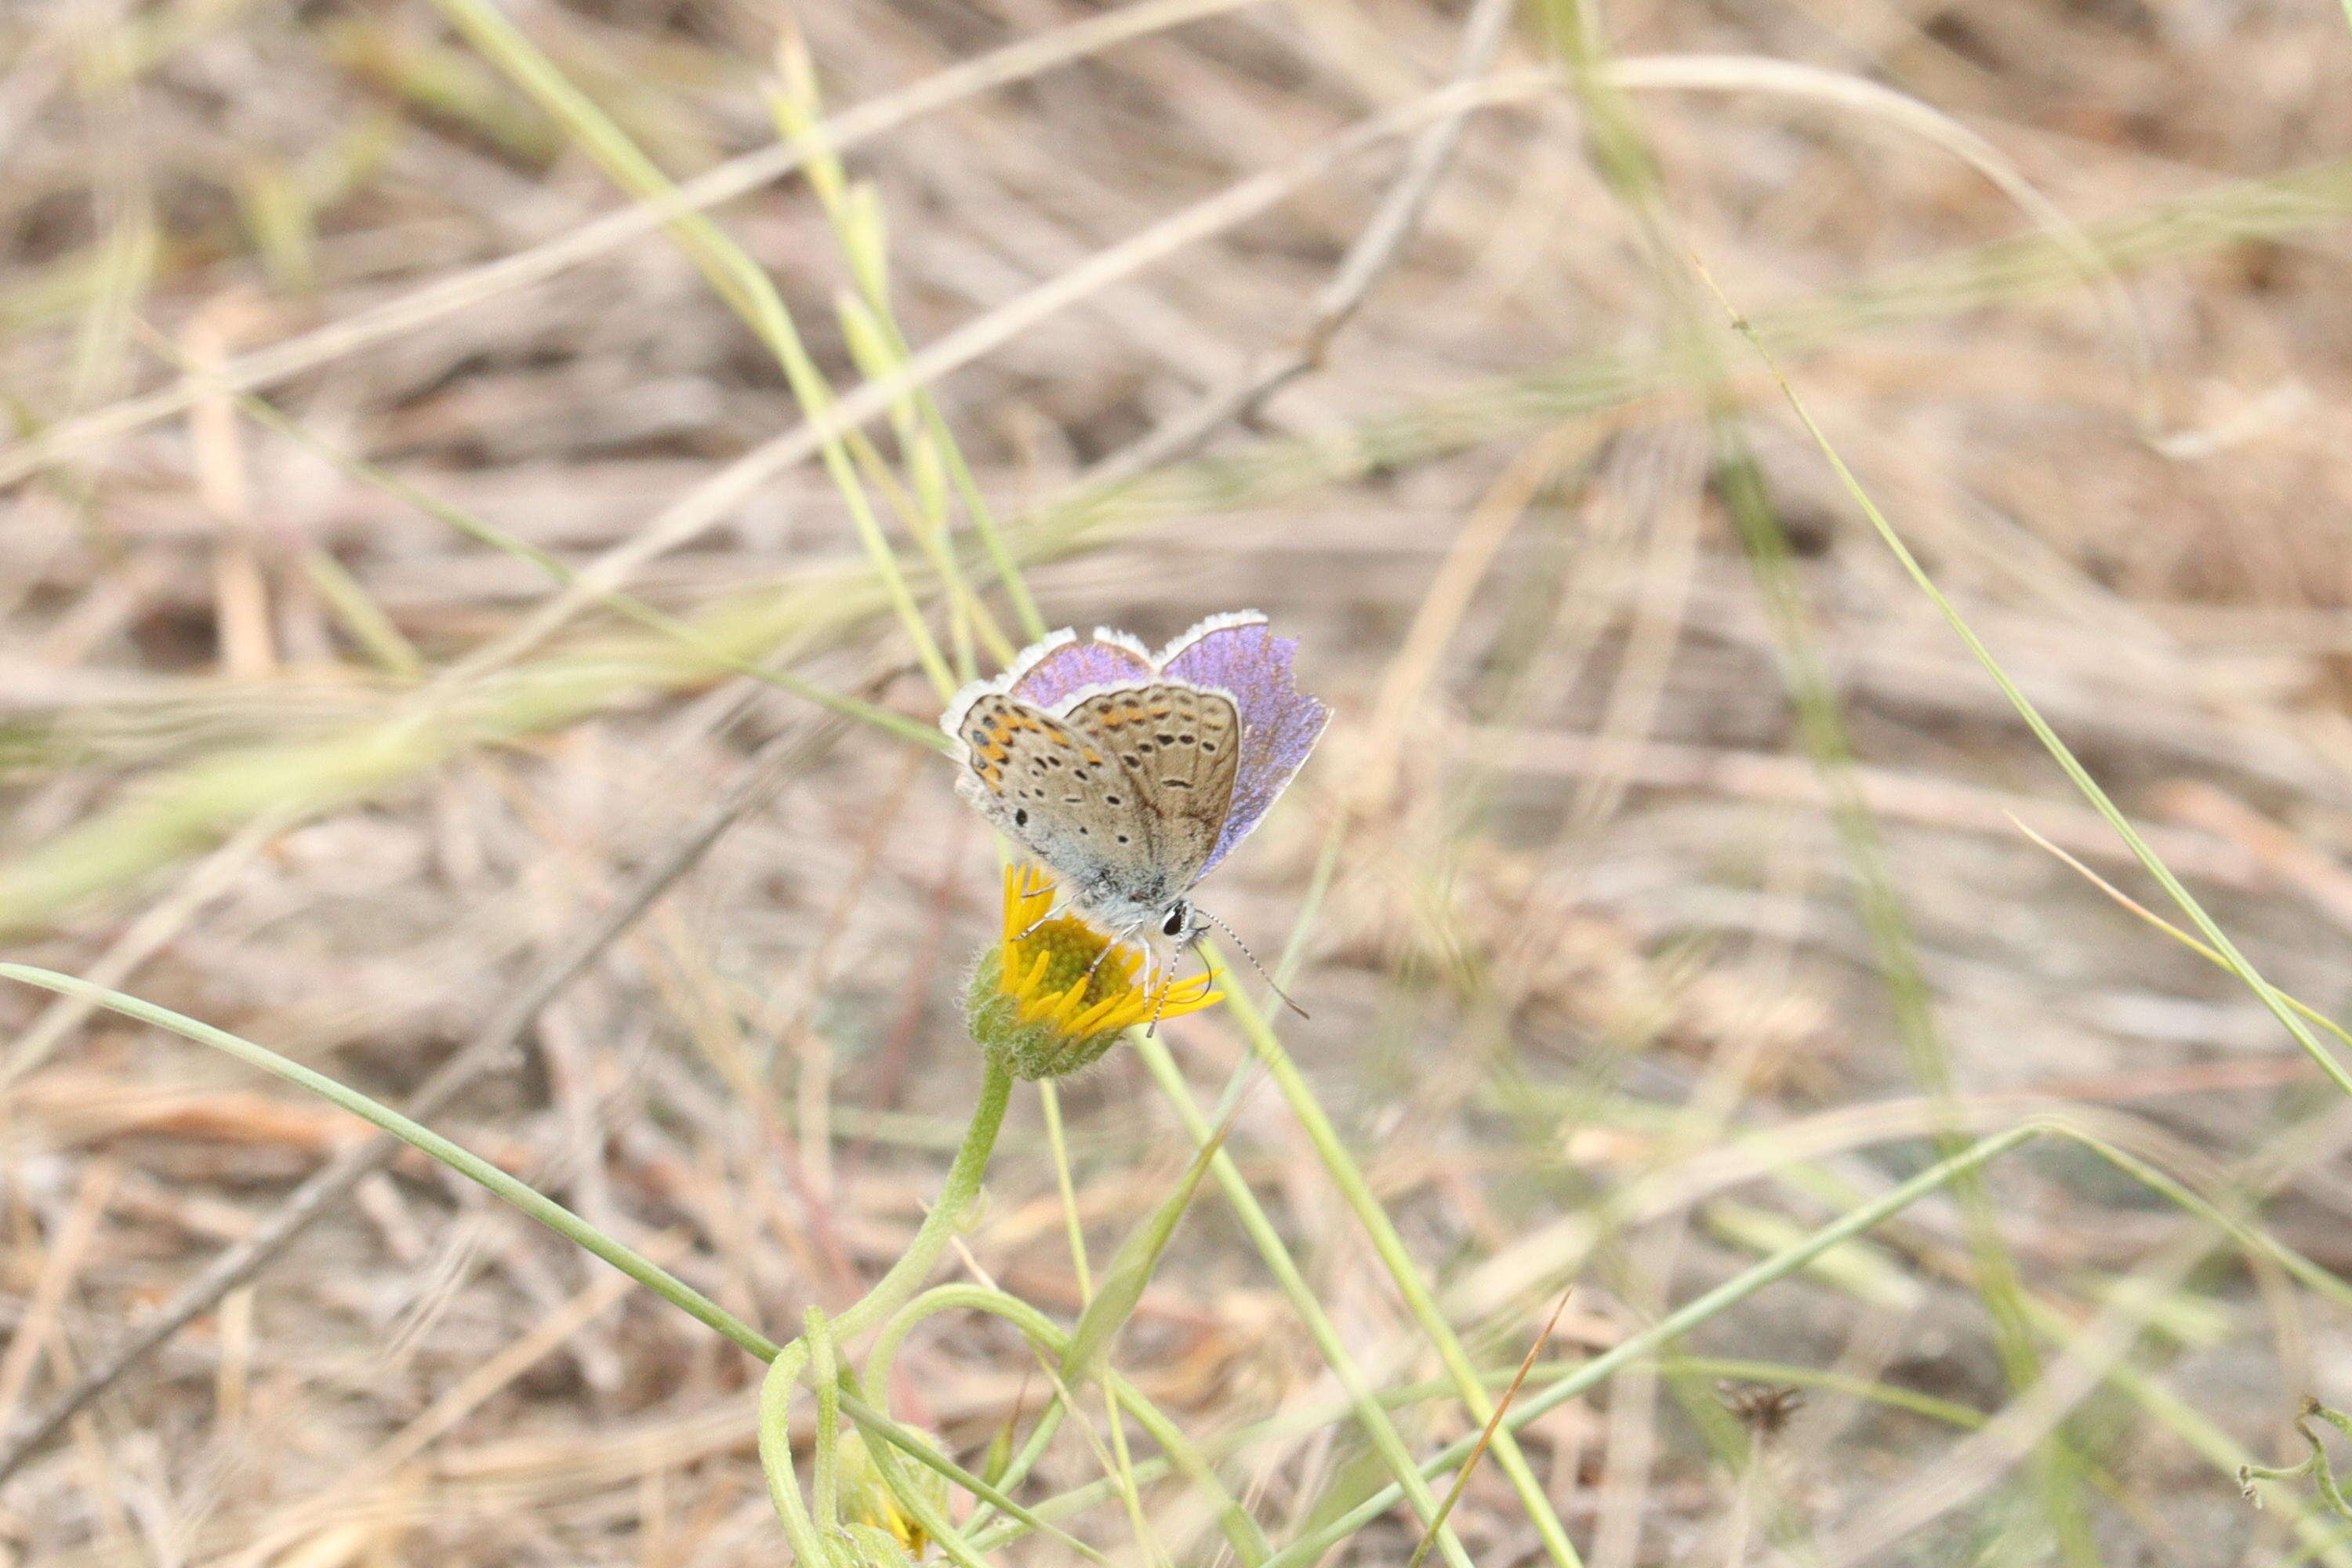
(1177, 746)
(1058, 794)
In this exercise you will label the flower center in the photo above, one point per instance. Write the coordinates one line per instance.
(1073, 947)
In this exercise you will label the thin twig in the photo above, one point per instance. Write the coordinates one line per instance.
(1374, 251)
(731, 486)
(491, 1050)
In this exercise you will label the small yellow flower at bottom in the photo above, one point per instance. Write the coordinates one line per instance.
(1047, 1000)
(882, 1533)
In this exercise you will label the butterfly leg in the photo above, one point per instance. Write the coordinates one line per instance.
(1053, 912)
(1117, 942)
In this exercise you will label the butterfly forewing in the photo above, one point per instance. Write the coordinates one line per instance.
(1064, 664)
(1237, 654)
(1177, 746)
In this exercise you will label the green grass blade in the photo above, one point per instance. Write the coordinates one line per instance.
(733, 275)
(1385, 1439)
(2059, 751)
(1671, 1327)
(1130, 1267)
(472, 1166)
(1402, 1271)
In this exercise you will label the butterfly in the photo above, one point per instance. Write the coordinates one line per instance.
(1130, 775)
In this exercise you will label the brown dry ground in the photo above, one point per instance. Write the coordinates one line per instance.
(1587, 927)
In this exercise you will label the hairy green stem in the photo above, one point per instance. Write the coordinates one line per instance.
(906, 1276)
(883, 1301)
(775, 1438)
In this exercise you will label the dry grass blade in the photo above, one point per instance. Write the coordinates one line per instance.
(1487, 1433)
(2184, 938)
(481, 285)
(616, 352)
(1372, 254)
(2059, 751)
(489, 1051)
(216, 795)
(728, 490)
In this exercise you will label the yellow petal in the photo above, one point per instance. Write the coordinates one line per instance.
(1090, 1022)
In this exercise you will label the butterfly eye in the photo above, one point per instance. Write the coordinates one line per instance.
(1175, 922)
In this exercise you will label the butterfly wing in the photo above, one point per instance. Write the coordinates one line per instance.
(1051, 670)
(1064, 797)
(1279, 723)
(1177, 747)
(1132, 782)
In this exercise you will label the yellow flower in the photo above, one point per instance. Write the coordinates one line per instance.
(1047, 1000)
(880, 1526)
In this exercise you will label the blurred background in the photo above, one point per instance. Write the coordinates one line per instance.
(395, 506)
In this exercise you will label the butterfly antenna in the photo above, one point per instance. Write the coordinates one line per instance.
(1159, 1006)
(1253, 963)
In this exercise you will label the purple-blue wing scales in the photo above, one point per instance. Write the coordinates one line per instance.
(1065, 663)
(1280, 724)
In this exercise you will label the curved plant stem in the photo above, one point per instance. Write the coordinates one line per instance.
(885, 1351)
(1054, 1342)
(883, 1301)
(775, 1436)
(824, 1376)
